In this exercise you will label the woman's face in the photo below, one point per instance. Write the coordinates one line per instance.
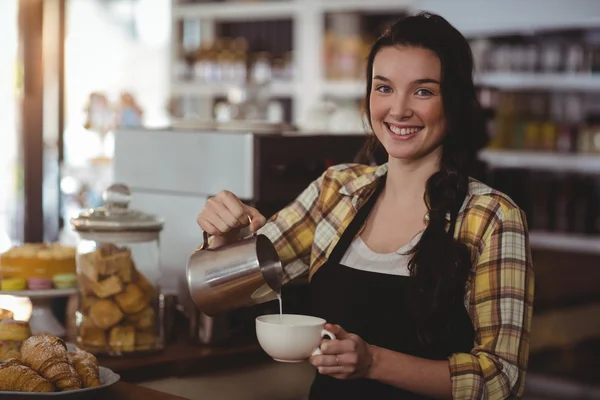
(407, 113)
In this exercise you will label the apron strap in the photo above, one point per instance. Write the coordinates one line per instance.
(354, 227)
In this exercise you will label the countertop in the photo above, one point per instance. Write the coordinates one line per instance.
(128, 391)
(181, 359)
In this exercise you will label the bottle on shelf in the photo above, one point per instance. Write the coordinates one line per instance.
(261, 68)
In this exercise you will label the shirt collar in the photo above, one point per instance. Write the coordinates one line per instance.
(364, 180)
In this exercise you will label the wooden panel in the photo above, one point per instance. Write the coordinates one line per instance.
(30, 33)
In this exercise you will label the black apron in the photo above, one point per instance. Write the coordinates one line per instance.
(373, 306)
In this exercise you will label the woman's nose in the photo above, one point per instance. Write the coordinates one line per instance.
(400, 108)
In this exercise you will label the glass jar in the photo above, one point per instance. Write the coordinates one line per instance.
(118, 269)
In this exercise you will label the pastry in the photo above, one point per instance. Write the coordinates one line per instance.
(145, 340)
(16, 331)
(47, 355)
(148, 289)
(64, 281)
(85, 285)
(122, 338)
(131, 300)
(13, 284)
(6, 314)
(105, 313)
(38, 260)
(93, 337)
(86, 366)
(16, 377)
(9, 350)
(39, 283)
(107, 287)
(142, 320)
(87, 266)
(87, 302)
(112, 260)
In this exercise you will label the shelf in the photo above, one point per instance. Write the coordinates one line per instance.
(183, 88)
(547, 161)
(365, 5)
(354, 89)
(548, 81)
(237, 11)
(565, 242)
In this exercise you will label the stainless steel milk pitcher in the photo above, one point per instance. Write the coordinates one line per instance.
(235, 275)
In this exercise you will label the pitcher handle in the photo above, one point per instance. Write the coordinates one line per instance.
(204, 245)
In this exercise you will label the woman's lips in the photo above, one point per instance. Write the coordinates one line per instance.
(402, 133)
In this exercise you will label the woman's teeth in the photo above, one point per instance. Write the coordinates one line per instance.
(403, 131)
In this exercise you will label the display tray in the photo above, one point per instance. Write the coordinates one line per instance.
(107, 378)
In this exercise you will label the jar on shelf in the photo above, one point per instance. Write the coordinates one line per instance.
(118, 268)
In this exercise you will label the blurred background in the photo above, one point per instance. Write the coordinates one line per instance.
(76, 72)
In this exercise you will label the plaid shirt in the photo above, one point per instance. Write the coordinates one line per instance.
(500, 300)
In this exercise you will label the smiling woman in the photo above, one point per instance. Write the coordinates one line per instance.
(423, 274)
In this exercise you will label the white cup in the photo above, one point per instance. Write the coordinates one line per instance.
(293, 339)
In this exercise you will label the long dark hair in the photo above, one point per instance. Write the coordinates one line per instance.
(440, 265)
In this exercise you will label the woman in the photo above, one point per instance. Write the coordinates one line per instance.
(424, 274)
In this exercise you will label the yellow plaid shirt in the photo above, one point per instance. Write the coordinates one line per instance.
(500, 301)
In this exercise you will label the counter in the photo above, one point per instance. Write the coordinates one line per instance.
(127, 391)
(181, 359)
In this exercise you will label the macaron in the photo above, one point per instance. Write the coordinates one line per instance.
(64, 281)
(13, 284)
(39, 283)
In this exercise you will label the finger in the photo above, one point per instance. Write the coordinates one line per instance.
(207, 226)
(214, 219)
(218, 208)
(336, 346)
(258, 220)
(324, 361)
(235, 206)
(337, 330)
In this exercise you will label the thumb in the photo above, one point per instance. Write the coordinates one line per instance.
(258, 220)
(337, 330)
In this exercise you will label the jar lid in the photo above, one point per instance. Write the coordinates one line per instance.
(115, 215)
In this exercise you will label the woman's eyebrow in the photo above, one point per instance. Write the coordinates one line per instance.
(418, 81)
(426, 80)
(381, 78)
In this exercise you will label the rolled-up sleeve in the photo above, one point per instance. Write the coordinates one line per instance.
(501, 306)
(292, 231)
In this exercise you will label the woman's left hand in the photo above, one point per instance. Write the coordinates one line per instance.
(346, 357)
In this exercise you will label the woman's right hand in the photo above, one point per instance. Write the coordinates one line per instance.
(225, 213)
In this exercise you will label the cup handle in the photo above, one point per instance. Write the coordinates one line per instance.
(324, 332)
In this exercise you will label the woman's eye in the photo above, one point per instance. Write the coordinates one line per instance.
(424, 92)
(383, 89)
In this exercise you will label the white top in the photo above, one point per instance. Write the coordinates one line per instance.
(360, 256)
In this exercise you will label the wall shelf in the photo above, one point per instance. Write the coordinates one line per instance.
(540, 81)
(237, 11)
(538, 160)
(363, 5)
(184, 88)
(575, 243)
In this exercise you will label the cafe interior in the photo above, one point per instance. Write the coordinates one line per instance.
(119, 119)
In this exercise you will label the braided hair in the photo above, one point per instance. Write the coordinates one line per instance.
(440, 265)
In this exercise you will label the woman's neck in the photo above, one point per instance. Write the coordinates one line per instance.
(408, 179)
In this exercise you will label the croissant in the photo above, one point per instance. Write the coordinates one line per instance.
(8, 350)
(47, 355)
(16, 377)
(86, 366)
